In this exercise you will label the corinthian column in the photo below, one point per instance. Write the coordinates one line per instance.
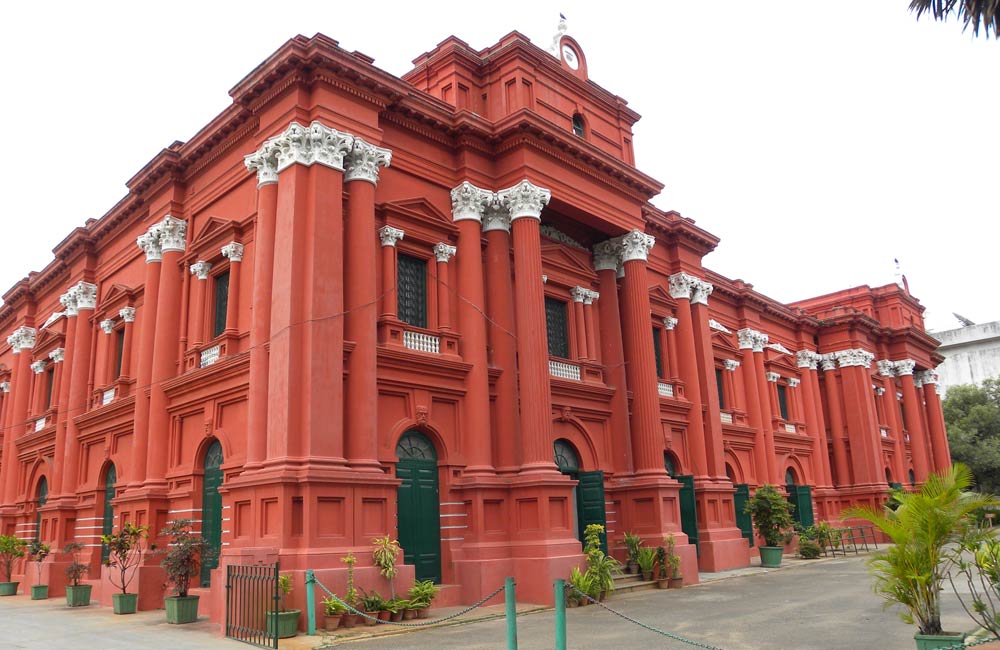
(828, 362)
(22, 339)
(935, 421)
(862, 429)
(752, 344)
(807, 360)
(525, 202)
(912, 405)
(607, 258)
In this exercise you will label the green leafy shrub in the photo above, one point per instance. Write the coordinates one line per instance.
(772, 515)
(809, 549)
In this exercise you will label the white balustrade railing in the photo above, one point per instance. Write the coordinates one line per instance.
(789, 428)
(108, 396)
(727, 418)
(884, 431)
(39, 424)
(422, 342)
(564, 370)
(210, 355)
(665, 389)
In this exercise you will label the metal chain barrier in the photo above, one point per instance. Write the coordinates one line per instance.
(962, 644)
(435, 621)
(675, 637)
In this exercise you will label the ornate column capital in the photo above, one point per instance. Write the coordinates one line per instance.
(107, 325)
(364, 160)
(233, 251)
(578, 294)
(524, 200)
(608, 254)
(149, 242)
(751, 339)
(127, 314)
(470, 202)
(444, 252)
(730, 364)
(68, 300)
(886, 368)
(716, 325)
(173, 234)
(495, 216)
(854, 357)
(636, 246)
(927, 377)
(200, 269)
(57, 355)
(904, 367)
(85, 295)
(38, 367)
(4, 386)
(793, 382)
(807, 359)
(681, 286)
(23, 338)
(700, 292)
(590, 296)
(879, 391)
(772, 377)
(265, 163)
(669, 323)
(389, 235)
(828, 361)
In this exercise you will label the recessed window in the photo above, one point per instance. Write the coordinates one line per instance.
(556, 327)
(221, 304)
(50, 380)
(412, 280)
(578, 124)
(658, 352)
(783, 402)
(718, 386)
(119, 351)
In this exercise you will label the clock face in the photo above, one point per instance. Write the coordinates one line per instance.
(569, 56)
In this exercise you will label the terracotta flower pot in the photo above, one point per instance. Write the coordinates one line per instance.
(424, 612)
(384, 615)
(396, 617)
(647, 576)
(409, 614)
(332, 622)
(372, 618)
(676, 583)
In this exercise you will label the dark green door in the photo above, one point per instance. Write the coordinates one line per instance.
(43, 496)
(211, 510)
(590, 504)
(108, 522)
(689, 512)
(800, 496)
(743, 520)
(418, 505)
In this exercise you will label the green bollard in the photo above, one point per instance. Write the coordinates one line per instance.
(560, 594)
(310, 602)
(510, 601)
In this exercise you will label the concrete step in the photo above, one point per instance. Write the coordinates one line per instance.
(628, 583)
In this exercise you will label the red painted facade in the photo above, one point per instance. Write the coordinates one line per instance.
(261, 309)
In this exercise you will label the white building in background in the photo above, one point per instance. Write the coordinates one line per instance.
(971, 354)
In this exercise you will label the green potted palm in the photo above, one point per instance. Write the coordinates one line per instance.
(675, 580)
(37, 553)
(11, 548)
(77, 595)
(384, 554)
(632, 545)
(600, 566)
(284, 623)
(646, 560)
(772, 518)
(372, 604)
(925, 528)
(422, 594)
(333, 610)
(124, 557)
(350, 619)
(182, 561)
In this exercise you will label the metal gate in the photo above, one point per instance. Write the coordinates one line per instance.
(252, 598)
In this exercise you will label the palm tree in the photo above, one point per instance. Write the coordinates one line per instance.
(911, 572)
(977, 13)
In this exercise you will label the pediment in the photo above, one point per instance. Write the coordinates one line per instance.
(215, 227)
(783, 365)
(659, 295)
(723, 341)
(574, 262)
(420, 210)
(48, 339)
(117, 292)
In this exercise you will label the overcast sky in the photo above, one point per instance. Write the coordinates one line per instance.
(819, 140)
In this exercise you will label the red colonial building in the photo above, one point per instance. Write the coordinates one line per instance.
(439, 307)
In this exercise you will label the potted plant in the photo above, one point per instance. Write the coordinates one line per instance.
(385, 553)
(646, 560)
(922, 528)
(601, 566)
(333, 610)
(11, 548)
(409, 609)
(395, 608)
(124, 557)
(372, 604)
(662, 577)
(77, 595)
(772, 518)
(182, 561)
(422, 594)
(675, 580)
(284, 623)
(582, 583)
(632, 544)
(349, 618)
(37, 552)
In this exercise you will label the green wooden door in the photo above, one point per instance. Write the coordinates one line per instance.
(43, 496)
(590, 504)
(689, 512)
(418, 506)
(743, 520)
(800, 496)
(211, 510)
(108, 521)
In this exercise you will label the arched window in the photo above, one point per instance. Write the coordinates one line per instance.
(670, 464)
(43, 496)
(566, 457)
(790, 477)
(108, 516)
(414, 445)
(578, 125)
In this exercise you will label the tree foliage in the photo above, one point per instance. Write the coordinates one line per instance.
(972, 417)
(977, 14)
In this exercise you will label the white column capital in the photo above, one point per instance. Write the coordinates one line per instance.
(879, 391)
(127, 314)
(702, 290)
(23, 338)
(681, 286)
(793, 382)
(904, 367)
(590, 297)
(68, 300)
(828, 361)
(173, 234)
(807, 359)
(444, 252)
(389, 235)
(149, 242)
(772, 377)
(57, 355)
(83, 295)
(38, 367)
(669, 322)
(578, 294)
(364, 160)
(636, 246)
(926, 377)
(4, 386)
(200, 269)
(750, 339)
(608, 255)
(730, 364)
(234, 251)
(854, 357)
(265, 163)
(524, 200)
(886, 368)
(107, 325)
(469, 202)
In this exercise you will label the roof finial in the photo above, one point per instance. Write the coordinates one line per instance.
(560, 30)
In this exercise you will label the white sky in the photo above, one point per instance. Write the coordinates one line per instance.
(819, 140)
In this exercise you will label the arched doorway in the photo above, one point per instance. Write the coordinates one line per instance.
(418, 506)
(43, 496)
(688, 503)
(211, 509)
(589, 505)
(108, 516)
(800, 496)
